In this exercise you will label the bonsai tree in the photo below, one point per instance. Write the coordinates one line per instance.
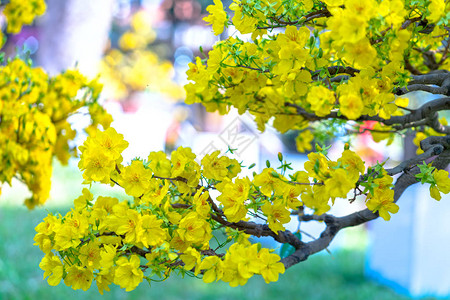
(295, 66)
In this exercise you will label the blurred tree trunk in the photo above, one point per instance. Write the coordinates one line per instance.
(74, 32)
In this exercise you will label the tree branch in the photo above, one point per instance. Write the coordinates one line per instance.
(422, 87)
(335, 224)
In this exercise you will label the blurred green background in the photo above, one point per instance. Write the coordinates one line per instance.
(324, 276)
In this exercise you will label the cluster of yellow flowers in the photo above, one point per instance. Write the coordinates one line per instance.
(19, 13)
(33, 122)
(169, 224)
(283, 76)
(134, 67)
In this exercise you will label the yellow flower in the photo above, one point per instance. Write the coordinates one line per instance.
(361, 53)
(191, 259)
(242, 22)
(19, 13)
(79, 278)
(107, 254)
(316, 199)
(214, 269)
(193, 229)
(217, 17)
(380, 132)
(417, 139)
(365, 9)
(103, 282)
(110, 142)
(317, 166)
(159, 164)
(125, 221)
(90, 255)
(334, 2)
(96, 165)
(106, 203)
(135, 179)
(346, 26)
(303, 141)
(240, 264)
(152, 234)
(442, 184)
(44, 242)
(234, 168)
(53, 268)
(351, 106)
(128, 273)
(437, 9)
(434, 193)
(201, 204)
(267, 182)
(243, 257)
(233, 197)
(352, 163)
(321, 100)
(84, 200)
(215, 167)
(181, 159)
(156, 192)
(291, 194)
(339, 184)
(272, 266)
(277, 215)
(442, 180)
(383, 202)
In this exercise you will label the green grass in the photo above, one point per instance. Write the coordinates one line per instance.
(321, 277)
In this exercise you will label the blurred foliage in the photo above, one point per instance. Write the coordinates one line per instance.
(132, 66)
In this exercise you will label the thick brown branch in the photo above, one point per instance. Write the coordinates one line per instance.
(422, 87)
(435, 78)
(431, 145)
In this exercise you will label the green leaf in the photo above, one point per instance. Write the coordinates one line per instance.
(316, 166)
(287, 249)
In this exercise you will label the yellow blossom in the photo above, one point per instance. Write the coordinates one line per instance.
(215, 167)
(53, 268)
(277, 215)
(217, 17)
(351, 106)
(128, 274)
(383, 203)
(272, 266)
(321, 100)
(214, 269)
(79, 278)
(135, 178)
